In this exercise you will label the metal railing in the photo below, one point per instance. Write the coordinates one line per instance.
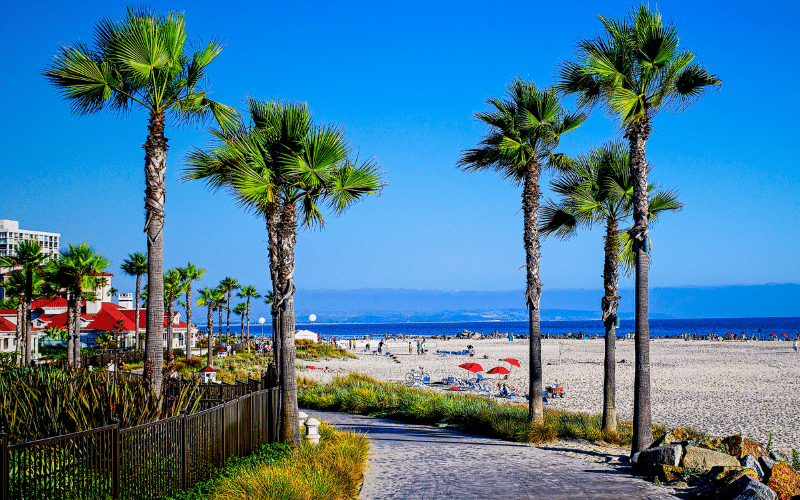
(148, 461)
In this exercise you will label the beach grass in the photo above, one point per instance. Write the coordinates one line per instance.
(313, 351)
(331, 470)
(361, 394)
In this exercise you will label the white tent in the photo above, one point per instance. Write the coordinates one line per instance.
(306, 335)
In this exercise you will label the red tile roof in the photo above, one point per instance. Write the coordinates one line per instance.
(207, 369)
(6, 325)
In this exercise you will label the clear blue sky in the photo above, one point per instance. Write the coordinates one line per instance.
(403, 79)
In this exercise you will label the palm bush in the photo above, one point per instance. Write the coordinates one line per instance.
(41, 402)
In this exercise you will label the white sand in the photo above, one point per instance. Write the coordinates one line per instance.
(720, 388)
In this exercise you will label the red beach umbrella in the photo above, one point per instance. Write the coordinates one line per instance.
(512, 361)
(499, 370)
(785, 335)
(772, 335)
(473, 367)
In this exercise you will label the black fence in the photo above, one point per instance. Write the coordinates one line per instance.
(147, 461)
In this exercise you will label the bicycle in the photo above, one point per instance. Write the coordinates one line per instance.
(417, 376)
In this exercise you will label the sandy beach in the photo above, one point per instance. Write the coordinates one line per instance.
(720, 388)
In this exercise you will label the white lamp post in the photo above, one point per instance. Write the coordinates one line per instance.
(261, 322)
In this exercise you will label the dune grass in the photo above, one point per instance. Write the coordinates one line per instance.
(314, 351)
(331, 470)
(474, 414)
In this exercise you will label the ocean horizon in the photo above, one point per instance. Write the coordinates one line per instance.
(763, 328)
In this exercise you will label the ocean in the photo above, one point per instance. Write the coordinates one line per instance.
(763, 328)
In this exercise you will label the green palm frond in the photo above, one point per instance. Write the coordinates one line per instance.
(634, 69)
(557, 220)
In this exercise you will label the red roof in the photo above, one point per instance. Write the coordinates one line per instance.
(8, 311)
(107, 319)
(131, 314)
(208, 369)
(6, 325)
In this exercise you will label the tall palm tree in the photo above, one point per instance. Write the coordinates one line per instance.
(189, 274)
(211, 298)
(283, 167)
(633, 70)
(29, 258)
(523, 130)
(143, 60)
(14, 287)
(248, 292)
(173, 287)
(597, 189)
(228, 285)
(221, 308)
(136, 265)
(77, 269)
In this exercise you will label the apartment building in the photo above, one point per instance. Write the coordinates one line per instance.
(11, 236)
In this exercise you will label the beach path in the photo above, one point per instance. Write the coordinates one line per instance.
(427, 463)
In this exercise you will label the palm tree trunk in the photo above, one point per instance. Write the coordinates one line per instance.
(155, 166)
(69, 325)
(248, 325)
(228, 318)
(76, 317)
(189, 334)
(273, 220)
(638, 133)
(608, 306)
(530, 208)
(221, 306)
(19, 340)
(136, 314)
(170, 329)
(209, 354)
(27, 316)
(287, 237)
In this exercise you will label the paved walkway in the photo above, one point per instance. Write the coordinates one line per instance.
(414, 462)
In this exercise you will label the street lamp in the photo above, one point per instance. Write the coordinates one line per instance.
(312, 318)
(261, 322)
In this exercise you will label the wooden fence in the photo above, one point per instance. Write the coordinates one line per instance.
(147, 461)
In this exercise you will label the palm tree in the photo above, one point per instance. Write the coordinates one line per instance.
(143, 61)
(211, 298)
(136, 265)
(77, 269)
(241, 309)
(284, 168)
(14, 287)
(524, 129)
(173, 287)
(228, 285)
(29, 257)
(633, 70)
(248, 292)
(597, 190)
(189, 274)
(221, 308)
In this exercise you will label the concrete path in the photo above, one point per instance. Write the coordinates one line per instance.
(414, 462)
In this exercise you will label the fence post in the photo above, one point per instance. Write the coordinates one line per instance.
(184, 453)
(115, 461)
(250, 424)
(224, 405)
(3, 464)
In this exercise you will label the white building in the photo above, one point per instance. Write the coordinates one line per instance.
(11, 236)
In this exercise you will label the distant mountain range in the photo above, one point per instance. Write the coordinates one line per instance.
(402, 305)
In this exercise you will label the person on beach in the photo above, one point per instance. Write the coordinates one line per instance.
(794, 344)
(380, 347)
(409, 348)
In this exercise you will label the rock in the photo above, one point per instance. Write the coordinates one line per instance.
(766, 464)
(705, 459)
(751, 463)
(708, 443)
(647, 460)
(740, 447)
(668, 473)
(730, 474)
(746, 488)
(784, 480)
(778, 456)
(674, 436)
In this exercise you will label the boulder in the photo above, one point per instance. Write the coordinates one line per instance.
(746, 488)
(646, 460)
(704, 459)
(668, 473)
(766, 464)
(778, 456)
(740, 447)
(752, 463)
(730, 474)
(785, 481)
(675, 436)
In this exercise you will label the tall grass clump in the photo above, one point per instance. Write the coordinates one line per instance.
(474, 414)
(44, 401)
(331, 470)
(314, 351)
